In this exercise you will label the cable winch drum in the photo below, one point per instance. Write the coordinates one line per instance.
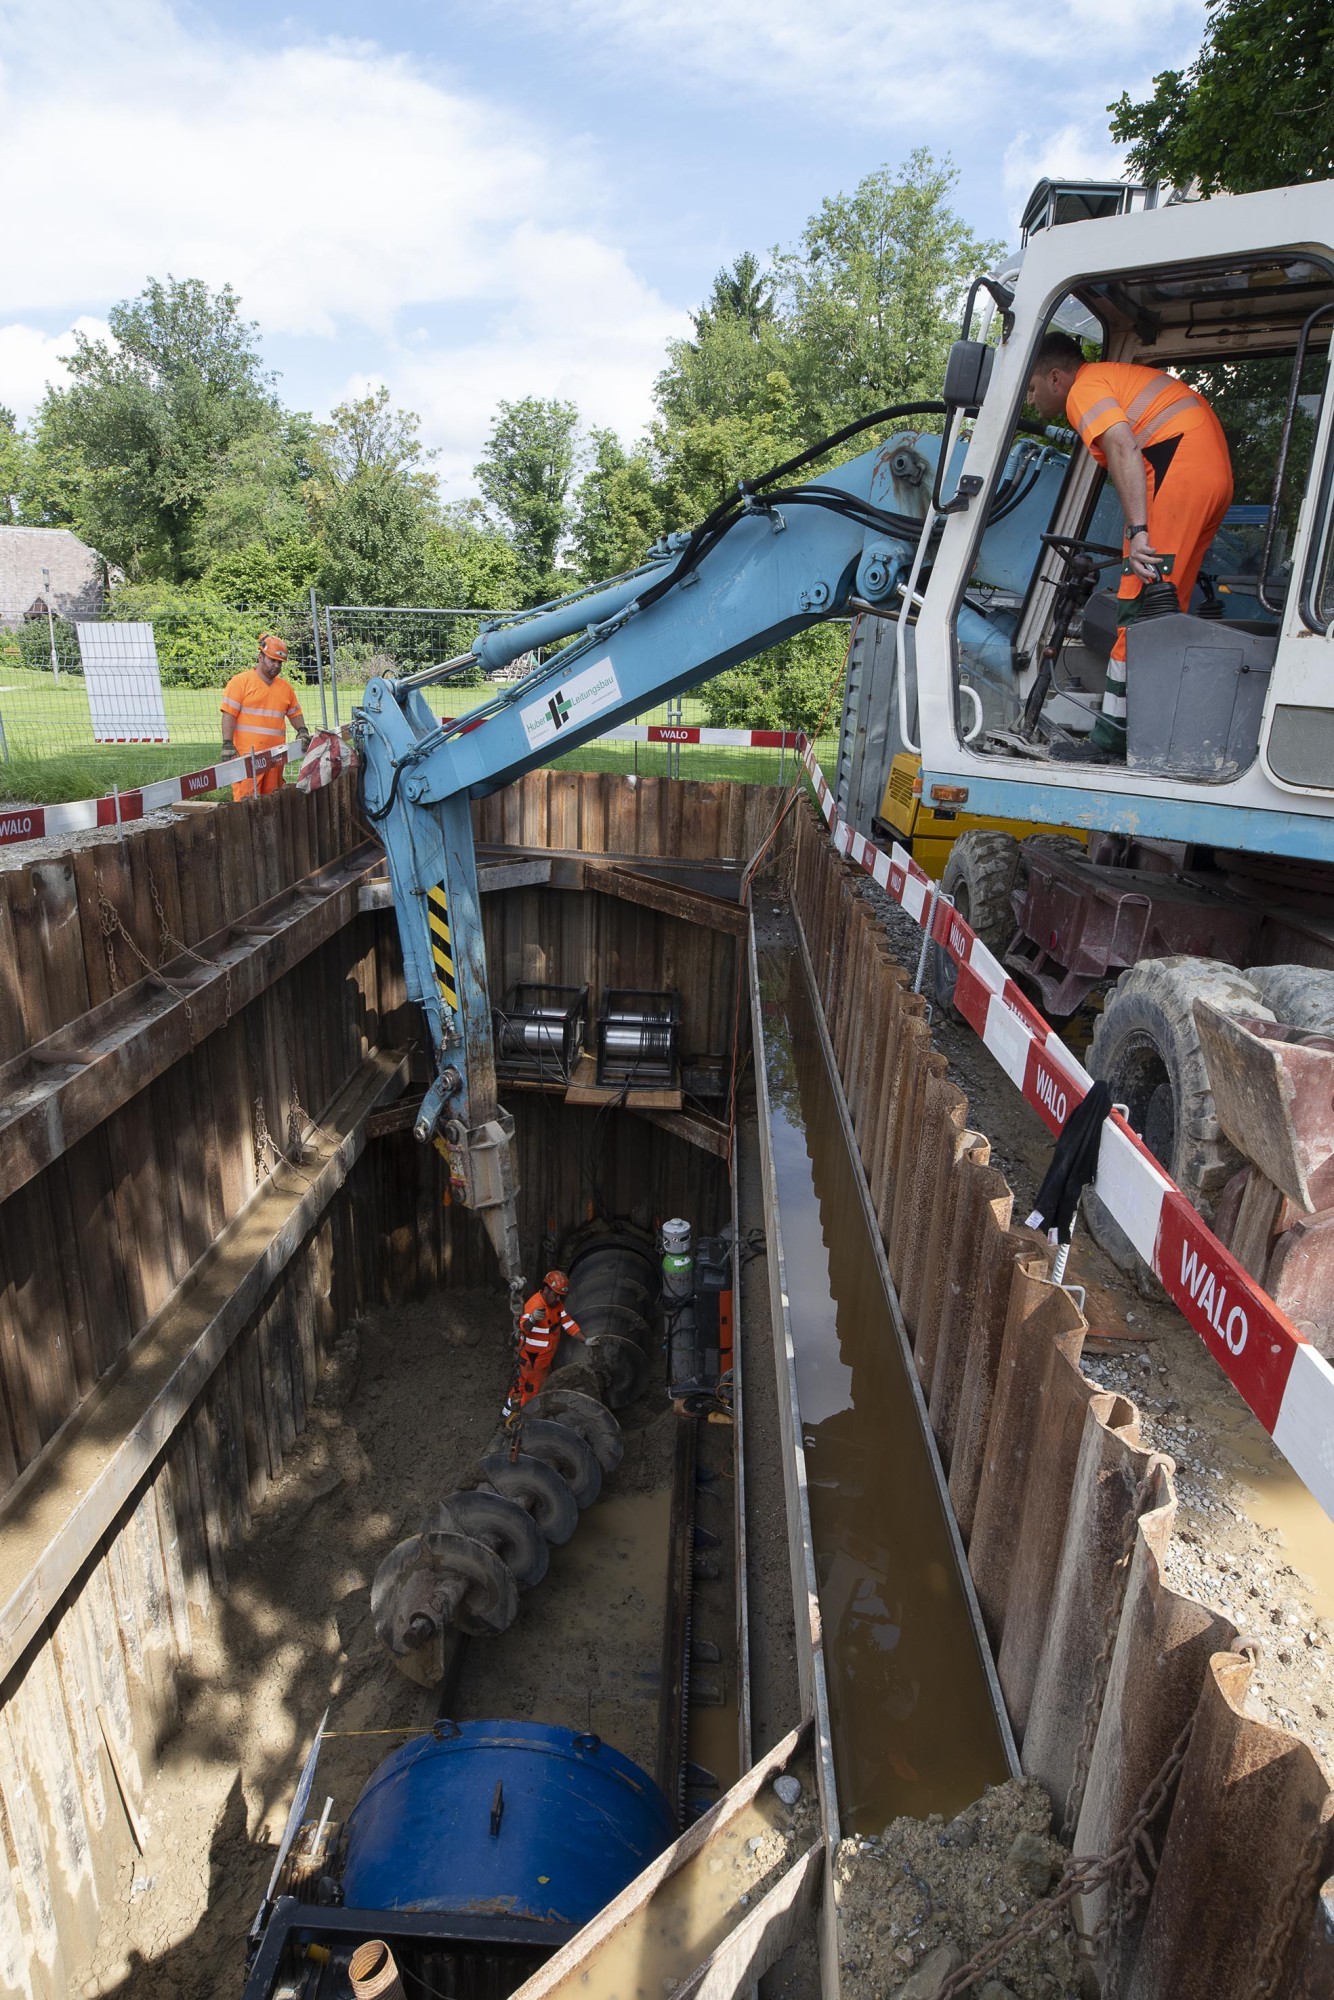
(539, 1031)
(637, 1038)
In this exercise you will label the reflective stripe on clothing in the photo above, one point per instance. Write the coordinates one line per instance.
(261, 710)
(1153, 403)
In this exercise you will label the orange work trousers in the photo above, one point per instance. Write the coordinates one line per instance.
(268, 780)
(1190, 490)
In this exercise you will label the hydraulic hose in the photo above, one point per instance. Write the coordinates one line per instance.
(730, 510)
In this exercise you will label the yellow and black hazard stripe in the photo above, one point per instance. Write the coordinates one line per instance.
(442, 951)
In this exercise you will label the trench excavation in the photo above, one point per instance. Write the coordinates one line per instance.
(710, 1663)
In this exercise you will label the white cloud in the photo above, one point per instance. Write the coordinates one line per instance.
(1070, 152)
(31, 361)
(338, 187)
(914, 71)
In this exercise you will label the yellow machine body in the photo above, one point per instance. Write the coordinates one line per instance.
(928, 832)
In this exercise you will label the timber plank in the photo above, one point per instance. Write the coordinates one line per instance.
(649, 892)
(60, 938)
(13, 1027)
(131, 1039)
(71, 1497)
(29, 963)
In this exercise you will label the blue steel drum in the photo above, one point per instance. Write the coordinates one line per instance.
(574, 1822)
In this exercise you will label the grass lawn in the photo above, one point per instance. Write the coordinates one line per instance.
(51, 756)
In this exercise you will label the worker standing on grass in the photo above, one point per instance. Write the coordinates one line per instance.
(543, 1324)
(257, 706)
(1168, 459)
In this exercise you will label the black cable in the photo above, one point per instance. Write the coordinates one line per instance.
(891, 412)
(729, 510)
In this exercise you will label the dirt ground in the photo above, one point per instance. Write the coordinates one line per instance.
(924, 1897)
(1249, 1538)
(401, 1415)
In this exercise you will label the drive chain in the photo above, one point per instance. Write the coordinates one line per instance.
(1129, 1867)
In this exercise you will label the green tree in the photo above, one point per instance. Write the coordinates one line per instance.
(262, 493)
(618, 513)
(14, 466)
(372, 435)
(375, 532)
(795, 685)
(743, 292)
(131, 448)
(526, 472)
(259, 574)
(1254, 110)
(375, 504)
(871, 296)
(469, 563)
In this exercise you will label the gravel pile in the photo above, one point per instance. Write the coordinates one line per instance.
(926, 1895)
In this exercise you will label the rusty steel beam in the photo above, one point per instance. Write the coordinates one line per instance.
(62, 1088)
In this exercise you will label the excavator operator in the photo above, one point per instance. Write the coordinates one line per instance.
(543, 1324)
(1168, 459)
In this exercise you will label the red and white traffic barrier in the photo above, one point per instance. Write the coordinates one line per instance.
(79, 815)
(735, 739)
(1287, 1382)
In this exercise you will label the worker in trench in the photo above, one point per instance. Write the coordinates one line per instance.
(1168, 459)
(543, 1324)
(257, 705)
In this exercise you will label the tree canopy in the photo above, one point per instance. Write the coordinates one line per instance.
(172, 453)
(1254, 110)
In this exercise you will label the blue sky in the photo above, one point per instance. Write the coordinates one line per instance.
(470, 201)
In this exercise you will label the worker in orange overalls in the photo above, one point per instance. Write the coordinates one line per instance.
(257, 706)
(1167, 457)
(543, 1324)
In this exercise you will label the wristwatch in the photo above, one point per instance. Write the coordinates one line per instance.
(1140, 528)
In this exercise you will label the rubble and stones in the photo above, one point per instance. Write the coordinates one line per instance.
(927, 1895)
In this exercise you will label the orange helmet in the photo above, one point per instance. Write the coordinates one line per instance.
(557, 1282)
(272, 647)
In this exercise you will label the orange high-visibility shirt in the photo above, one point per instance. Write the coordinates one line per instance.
(1155, 405)
(542, 1325)
(261, 710)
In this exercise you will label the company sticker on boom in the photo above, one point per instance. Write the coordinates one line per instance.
(571, 703)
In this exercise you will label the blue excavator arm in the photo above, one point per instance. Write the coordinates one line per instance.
(759, 571)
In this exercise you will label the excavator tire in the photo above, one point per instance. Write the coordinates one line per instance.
(431, 1581)
(1301, 996)
(1145, 1045)
(537, 1486)
(586, 1414)
(622, 1366)
(562, 1446)
(502, 1524)
(979, 876)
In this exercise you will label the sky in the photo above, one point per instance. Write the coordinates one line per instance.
(476, 199)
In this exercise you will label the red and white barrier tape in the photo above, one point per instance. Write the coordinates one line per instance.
(78, 815)
(1287, 1383)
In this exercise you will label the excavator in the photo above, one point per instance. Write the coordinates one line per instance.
(978, 553)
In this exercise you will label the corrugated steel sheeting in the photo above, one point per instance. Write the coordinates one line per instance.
(1065, 1517)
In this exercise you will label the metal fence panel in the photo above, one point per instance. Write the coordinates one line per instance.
(48, 708)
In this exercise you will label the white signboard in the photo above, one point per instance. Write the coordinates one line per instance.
(120, 672)
(569, 703)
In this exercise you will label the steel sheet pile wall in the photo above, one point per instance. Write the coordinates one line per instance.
(1117, 1686)
(178, 1011)
(142, 1197)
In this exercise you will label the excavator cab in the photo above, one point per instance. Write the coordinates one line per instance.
(1231, 702)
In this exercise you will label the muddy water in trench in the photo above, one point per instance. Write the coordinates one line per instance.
(914, 1730)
